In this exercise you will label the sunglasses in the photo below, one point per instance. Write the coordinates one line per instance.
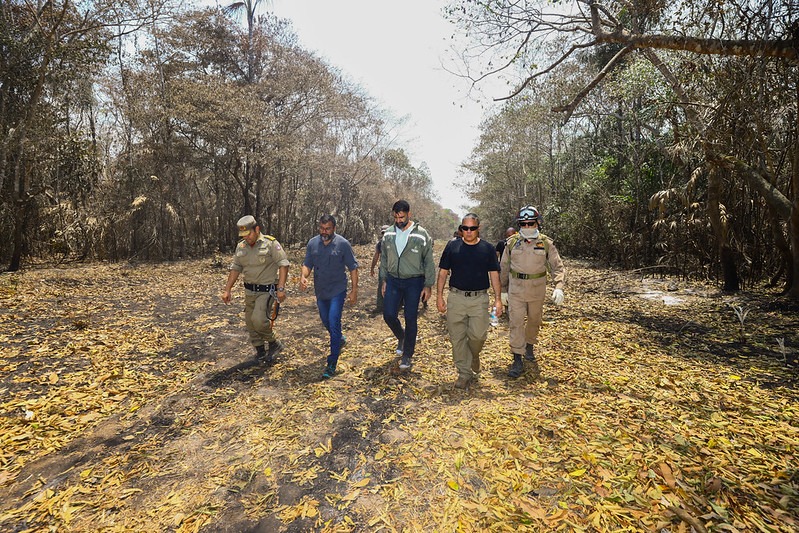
(525, 224)
(469, 228)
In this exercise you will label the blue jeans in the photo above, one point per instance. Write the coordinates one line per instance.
(330, 312)
(397, 290)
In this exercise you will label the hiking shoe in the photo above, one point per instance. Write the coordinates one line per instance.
(275, 347)
(399, 346)
(329, 372)
(343, 341)
(476, 364)
(517, 367)
(529, 352)
(462, 382)
(405, 362)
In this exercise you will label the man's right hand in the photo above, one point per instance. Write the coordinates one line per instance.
(226, 296)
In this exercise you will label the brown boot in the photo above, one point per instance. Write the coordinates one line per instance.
(476, 364)
(462, 382)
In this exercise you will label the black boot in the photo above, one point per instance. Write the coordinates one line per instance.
(517, 367)
(274, 348)
(260, 352)
(529, 352)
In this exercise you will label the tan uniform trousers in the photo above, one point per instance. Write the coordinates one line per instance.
(467, 322)
(525, 302)
(258, 325)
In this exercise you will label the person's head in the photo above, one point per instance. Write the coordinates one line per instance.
(509, 232)
(327, 227)
(470, 228)
(249, 229)
(402, 213)
(529, 221)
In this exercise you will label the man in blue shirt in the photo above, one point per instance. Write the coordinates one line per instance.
(330, 255)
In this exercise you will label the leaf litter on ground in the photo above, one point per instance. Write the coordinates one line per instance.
(131, 401)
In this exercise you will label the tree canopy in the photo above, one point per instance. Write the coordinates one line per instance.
(146, 130)
(671, 127)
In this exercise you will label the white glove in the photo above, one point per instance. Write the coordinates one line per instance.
(557, 296)
(504, 298)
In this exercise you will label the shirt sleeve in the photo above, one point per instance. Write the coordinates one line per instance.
(279, 255)
(445, 263)
(349, 257)
(308, 261)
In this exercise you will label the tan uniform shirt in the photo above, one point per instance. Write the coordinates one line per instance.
(531, 257)
(260, 262)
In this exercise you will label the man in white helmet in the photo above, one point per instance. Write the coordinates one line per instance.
(526, 259)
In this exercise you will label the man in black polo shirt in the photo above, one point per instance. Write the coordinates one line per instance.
(474, 266)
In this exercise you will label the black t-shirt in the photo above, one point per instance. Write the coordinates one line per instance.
(469, 265)
(501, 246)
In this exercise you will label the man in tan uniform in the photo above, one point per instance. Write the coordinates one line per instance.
(266, 267)
(527, 258)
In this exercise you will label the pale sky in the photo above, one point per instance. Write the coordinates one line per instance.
(394, 49)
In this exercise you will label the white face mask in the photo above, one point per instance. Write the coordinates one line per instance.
(529, 233)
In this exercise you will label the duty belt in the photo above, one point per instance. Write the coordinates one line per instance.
(259, 288)
(468, 293)
(519, 275)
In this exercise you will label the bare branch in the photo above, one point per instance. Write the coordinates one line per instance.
(571, 106)
(545, 71)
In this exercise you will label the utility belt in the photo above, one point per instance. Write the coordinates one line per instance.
(259, 288)
(519, 275)
(468, 294)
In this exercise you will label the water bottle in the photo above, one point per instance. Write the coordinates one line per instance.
(493, 317)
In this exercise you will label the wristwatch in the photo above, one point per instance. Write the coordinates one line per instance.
(280, 289)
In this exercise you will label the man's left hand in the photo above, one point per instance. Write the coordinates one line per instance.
(352, 297)
(426, 292)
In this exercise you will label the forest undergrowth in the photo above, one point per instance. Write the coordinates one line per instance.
(131, 402)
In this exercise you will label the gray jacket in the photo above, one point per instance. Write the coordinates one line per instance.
(416, 259)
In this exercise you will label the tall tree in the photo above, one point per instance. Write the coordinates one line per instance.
(521, 36)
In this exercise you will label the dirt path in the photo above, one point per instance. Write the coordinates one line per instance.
(131, 401)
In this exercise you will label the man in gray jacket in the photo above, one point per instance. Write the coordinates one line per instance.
(407, 265)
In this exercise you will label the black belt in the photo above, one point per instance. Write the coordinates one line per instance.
(468, 293)
(259, 288)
